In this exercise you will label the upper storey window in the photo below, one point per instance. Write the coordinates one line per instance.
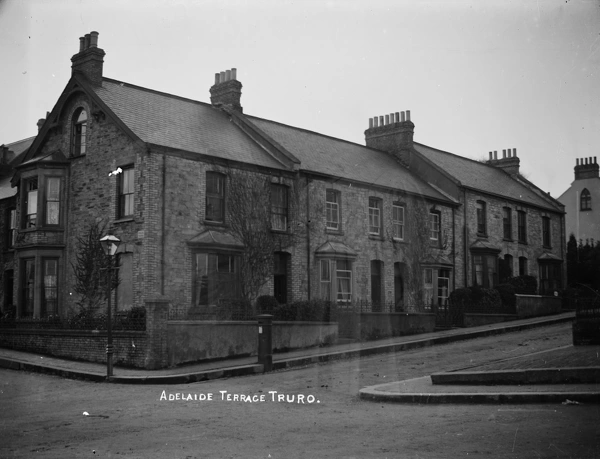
(586, 200)
(79, 132)
(215, 197)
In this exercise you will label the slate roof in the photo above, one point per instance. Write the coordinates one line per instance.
(19, 147)
(175, 122)
(328, 155)
(481, 176)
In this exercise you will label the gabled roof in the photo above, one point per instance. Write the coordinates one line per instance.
(182, 124)
(20, 146)
(322, 154)
(484, 177)
(178, 123)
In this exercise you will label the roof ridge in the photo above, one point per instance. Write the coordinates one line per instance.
(155, 91)
(20, 141)
(308, 131)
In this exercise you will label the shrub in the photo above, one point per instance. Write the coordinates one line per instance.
(475, 299)
(235, 310)
(312, 311)
(507, 295)
(266, 304)
(523, 285)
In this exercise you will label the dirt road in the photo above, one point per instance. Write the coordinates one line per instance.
(42, 416)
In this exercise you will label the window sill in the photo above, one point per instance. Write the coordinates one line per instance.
(375, 237)
(75, 157)
(276, 231)
(549, 247)
(397, 239)
(508, 240)
(523, 242)
(586, 210)
(124, 220)
(213, 223)
(337, 232)
(41, 228)
(482, 236)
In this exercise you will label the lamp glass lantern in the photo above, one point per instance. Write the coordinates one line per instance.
(110, 244)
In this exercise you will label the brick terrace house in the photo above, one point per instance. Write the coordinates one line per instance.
(507, 225)
(581, 201)
(374, 218)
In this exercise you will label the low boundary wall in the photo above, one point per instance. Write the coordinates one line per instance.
(537, 305)
(196, 340)
(377, 325)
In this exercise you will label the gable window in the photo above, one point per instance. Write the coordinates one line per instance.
(126, 192)
(375, 216)
(215, 278)
(585, 200)
(507, 222)
(52, 199)
(79, 133)
(398, 221)
(434, 226)
(522, 266)
(546, 238)
(481, 218)
(279, 207)
(215, 197)
(484, 270)
(30, 202)
(12, 227)
(522, 226)
(336, 280)
(332, 209)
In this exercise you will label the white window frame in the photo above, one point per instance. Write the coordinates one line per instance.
(375, 215)
(332, 209)
(434, 226)
(398, 221)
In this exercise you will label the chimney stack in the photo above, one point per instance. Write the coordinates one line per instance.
(227, 90)
(392, 133)
(89, 60)
(509, 161)
(586, 168)
(40, 123)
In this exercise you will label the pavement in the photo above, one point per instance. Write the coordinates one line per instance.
(462, 386)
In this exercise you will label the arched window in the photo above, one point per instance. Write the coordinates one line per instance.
(586, 200)
(79, 131)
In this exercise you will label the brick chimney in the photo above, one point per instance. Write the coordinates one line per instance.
(509, 161)
(392, 133)
(585, 168)
(227, 90)
(89, 60)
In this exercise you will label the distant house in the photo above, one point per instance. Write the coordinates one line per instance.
(582, 201)
(391, 223)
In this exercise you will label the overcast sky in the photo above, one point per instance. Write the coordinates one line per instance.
(476, 75)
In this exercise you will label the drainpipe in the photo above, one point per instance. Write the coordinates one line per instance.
(453, 248)
(308, 235)
(465, 235)
(163, 225)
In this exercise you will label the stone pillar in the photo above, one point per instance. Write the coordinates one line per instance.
(157, 315)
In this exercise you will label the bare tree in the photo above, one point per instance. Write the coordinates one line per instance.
(249, 209)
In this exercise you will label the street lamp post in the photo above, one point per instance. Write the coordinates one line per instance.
(110, 244)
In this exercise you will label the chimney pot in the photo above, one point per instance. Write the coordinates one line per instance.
(93, 39)
(227, 75)
(370, 123)
(381, 121)
(223, 80)
(387, 119)
(402, 117)
(495, 154)
(376, 121)
(234, 74)
(491, 156)
(407, 115)
(81, 44)
(397, 117)
(504, 153)
(40, 123)
(217, 76)
(515, 152)
(577, 161)
(595, 160)
(87, 41)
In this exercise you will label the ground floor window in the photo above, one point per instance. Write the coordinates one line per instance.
(49, 287)
(485, 272)
(27, 287)
(550, 278)
(216, 278)
(336, 280)
(436, 286)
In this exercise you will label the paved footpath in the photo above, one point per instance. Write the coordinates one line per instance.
(420, 390)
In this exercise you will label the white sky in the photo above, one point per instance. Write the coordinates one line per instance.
(476, 75)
